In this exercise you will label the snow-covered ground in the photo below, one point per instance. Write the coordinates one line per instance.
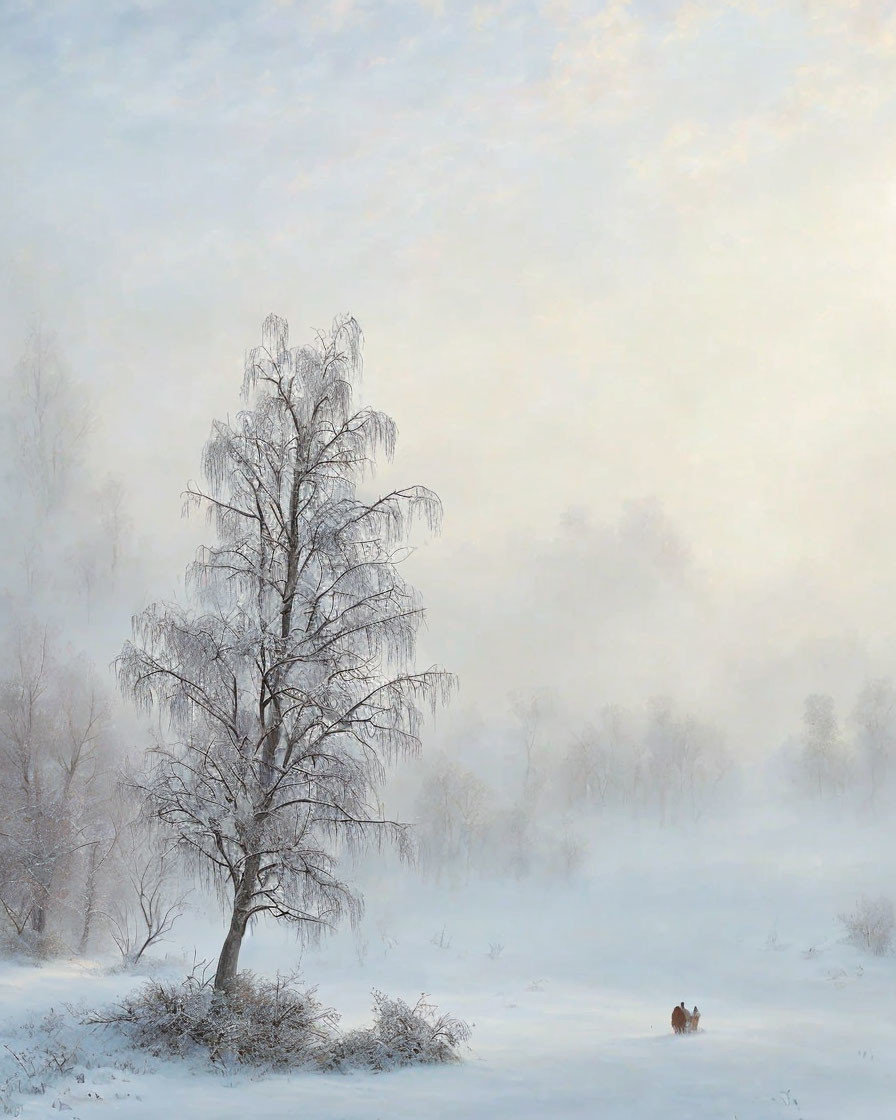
(570, 988)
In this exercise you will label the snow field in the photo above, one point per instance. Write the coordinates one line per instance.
(570, 987)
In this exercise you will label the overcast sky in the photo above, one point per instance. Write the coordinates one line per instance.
(603, 254)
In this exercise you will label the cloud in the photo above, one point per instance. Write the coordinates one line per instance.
(869, 25)
(487, 14)
(601, 63)
(832, 82)
(336, 15)
(600, 251)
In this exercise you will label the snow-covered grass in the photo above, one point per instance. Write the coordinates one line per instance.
(571, 1018)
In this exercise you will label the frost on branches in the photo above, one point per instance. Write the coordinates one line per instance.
(279, 1024)
(288, 680)
(401, 1035)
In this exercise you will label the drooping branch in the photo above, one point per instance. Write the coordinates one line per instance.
(288, 683)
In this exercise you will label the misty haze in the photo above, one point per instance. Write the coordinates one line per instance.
(447, 641)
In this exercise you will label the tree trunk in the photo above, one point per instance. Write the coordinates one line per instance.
(225, 974)
(228, 961)
(89, 900)
(39, 918)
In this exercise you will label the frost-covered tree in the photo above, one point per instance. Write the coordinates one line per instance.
(686, 760)
(600, 765)
(452, 816)
(63, 534)
(50, 421)
(874, 720)
(53, 739)
(288, 678)
(824, 754)
(64, 528)
(530, 710)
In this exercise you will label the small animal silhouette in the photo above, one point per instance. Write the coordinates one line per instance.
(679, 1019)
(694, 1020)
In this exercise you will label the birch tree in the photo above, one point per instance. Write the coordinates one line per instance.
(287, 677)
(53, 743)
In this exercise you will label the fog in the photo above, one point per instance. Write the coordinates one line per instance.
(602, 255)
(623, 270)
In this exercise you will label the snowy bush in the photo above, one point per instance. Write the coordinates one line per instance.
(48, 1045)
(268, 1023)
(871, 925)
(274, 1024)
(401, 1035)
(38, 1052)
(31, 945)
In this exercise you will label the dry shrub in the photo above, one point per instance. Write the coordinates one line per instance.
(272, 1024)
(275, 1024)
(871, 925)
(400, 1036)
(32, 946)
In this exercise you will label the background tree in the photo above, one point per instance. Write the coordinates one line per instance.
(824, 755)
(874, 720)
(53, 736)
(686, 760)
(530, 710)
(452, 815)
(66, 533)
(288, 679)
(599, 764)
(150, 897)
(49, 419)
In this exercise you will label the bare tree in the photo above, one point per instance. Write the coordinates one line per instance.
(69, 528)
(55, 724)
(452, 815)
(686, 760)
(531, 709)
(599, 764)
(152, 900)
(49, 420)
(114, 520)
(824, 754)
(289, 680)
(98, 852)
(52, 725)
(95, 554)
(874, 720)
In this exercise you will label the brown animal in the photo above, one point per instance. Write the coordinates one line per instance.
(679, 1019)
